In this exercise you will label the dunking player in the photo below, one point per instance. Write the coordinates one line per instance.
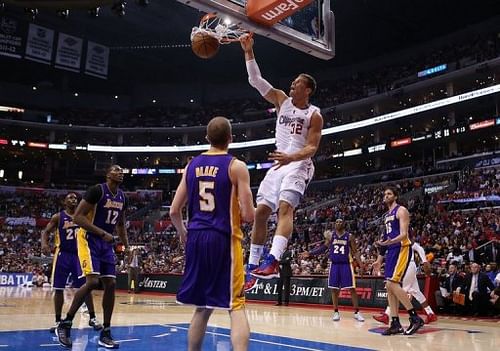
(410, 285)
(66, 258)
(101, 210)
(398, 252)
(216, 188)
(298, 133)
(341, 246)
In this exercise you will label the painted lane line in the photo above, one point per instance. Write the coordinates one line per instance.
(161, 335)
(257, 340)
(127, 340)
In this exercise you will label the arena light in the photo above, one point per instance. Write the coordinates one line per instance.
(327, 131)
(20, 175)
(58, 146)
(4, 142)
(429, 71)
(2, 173)
(375, 148)
(94, 12)
(482, 124)
(353, 152)
(119, 8)
(64, 14)
(38, 145)
(401, 142)
(11, 109)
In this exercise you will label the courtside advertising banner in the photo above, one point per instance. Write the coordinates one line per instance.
(97, 60)
(69, 52)
(15, 279)
(11, 37)
(40, 43)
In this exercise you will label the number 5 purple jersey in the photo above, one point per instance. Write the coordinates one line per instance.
(212, 203)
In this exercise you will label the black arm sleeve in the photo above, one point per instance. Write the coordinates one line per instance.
(93, 194)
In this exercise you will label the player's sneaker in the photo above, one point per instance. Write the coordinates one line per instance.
(63, 332)
(268, 269)
(395, 328)
(415, 324)
(53, 329)
(250, 281)
(382, 318)
(336, 316)
(106, 340)
(94, 323)
(431, 318)
(359, 317)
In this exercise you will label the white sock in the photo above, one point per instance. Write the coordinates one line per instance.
(255, 254)
(429, 310)
(388, 311)
(279, 246)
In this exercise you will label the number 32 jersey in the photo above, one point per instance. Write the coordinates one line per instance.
(292, 126)
(212, 198)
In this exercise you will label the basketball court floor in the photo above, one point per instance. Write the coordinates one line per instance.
(148, 322)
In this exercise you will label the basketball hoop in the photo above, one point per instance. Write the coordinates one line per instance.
(221, 29)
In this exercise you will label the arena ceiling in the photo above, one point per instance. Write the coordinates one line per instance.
(364, 29)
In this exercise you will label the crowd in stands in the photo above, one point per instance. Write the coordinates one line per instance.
(330, 93)
(461, 237)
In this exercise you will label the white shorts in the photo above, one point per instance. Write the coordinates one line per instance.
(410, 282)
(294, 178)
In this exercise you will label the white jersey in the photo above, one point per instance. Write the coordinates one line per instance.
(420, 251)
(292, 126)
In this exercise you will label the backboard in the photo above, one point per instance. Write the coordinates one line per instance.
(311, 30)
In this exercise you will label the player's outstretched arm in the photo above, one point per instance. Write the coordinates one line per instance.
(53, 223)
(178, 204)
(268, 92)
(241, 178)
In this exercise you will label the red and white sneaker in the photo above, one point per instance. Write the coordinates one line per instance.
(431, 318)
(382, 318)
(250, 281)
(268, 269)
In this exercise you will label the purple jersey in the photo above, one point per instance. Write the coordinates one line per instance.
(65, 238)
(108, 209)
(339, 248)
(212, 202)
(393, 229)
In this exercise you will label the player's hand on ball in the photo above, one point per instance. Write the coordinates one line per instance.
(280, 158)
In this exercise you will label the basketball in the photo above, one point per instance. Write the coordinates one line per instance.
(204, 45)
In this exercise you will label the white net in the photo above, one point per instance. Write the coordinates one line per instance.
(221, 29)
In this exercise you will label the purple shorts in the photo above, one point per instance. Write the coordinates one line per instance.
(96, 257)
(341, 276)
(397, 260)
(64, 264)
(213, 276)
